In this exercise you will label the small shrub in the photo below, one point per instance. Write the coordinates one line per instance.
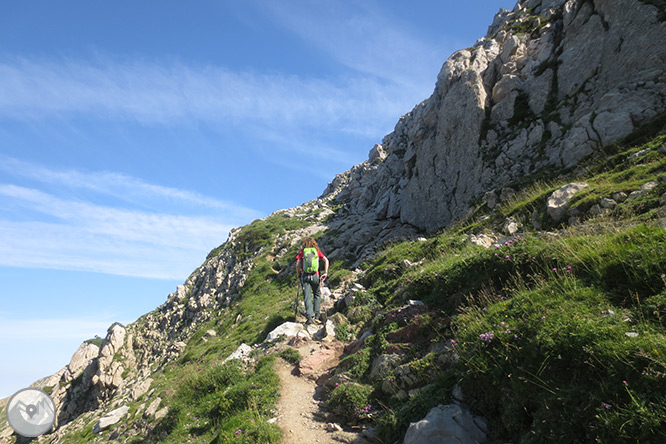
(356, 365)
(351, 400)
(95, 341)
(290, 355)
(342, 332)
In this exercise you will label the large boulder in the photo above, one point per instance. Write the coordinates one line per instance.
(320, 360)
(110, 419)
(447, 424)
(81, 359)
(558, 202)
(290, 330)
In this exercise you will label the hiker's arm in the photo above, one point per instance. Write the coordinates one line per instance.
(299, 267)
(325, 268)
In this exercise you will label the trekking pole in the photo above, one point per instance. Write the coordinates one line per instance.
(298, 290)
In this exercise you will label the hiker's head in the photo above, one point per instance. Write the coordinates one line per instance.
(309, 242)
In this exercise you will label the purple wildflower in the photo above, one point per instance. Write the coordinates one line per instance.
(487, 337)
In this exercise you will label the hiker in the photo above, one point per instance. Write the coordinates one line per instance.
(307, 270)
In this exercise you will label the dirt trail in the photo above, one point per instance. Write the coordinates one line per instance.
(301, 409)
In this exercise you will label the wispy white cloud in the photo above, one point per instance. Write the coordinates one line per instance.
(118, 185)
(388, 70)
(72, 234)
(173, 93)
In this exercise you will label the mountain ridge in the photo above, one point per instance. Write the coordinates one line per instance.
(519, 105)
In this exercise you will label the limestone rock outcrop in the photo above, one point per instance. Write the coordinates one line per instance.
(551, 83)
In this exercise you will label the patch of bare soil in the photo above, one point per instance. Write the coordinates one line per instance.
(302, 414)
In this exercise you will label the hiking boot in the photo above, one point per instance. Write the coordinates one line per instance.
(309, 321)
(323, 317)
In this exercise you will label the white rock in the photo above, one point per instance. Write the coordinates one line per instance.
(558, 202)
(81, 359)
(649, 186)
(483, 240)
(161, 413)
(153, 407)
(333, 427)
(110, 419)
(447, 424)
(242, 352)
(141, 387)
(510, 226)
(287, 330)
(383, 365)
(608, 203)
(619, 196)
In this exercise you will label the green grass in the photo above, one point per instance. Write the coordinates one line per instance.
(541, 329)
(351, 401)
(259, 234)
(95, 341)
(539, 323)
(213, 401)
(561, 338)
(290, 355)
(555, 366)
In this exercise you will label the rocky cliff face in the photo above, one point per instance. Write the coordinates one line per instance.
(551, 83)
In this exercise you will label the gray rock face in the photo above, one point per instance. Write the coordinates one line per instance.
(585, 75)
(447, 424)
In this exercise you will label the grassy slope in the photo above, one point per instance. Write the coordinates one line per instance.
(560, 338)
(560, 366)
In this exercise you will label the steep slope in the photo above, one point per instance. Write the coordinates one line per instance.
(552, 82)
(550, 88)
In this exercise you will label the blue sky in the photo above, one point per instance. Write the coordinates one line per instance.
(134, 135)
